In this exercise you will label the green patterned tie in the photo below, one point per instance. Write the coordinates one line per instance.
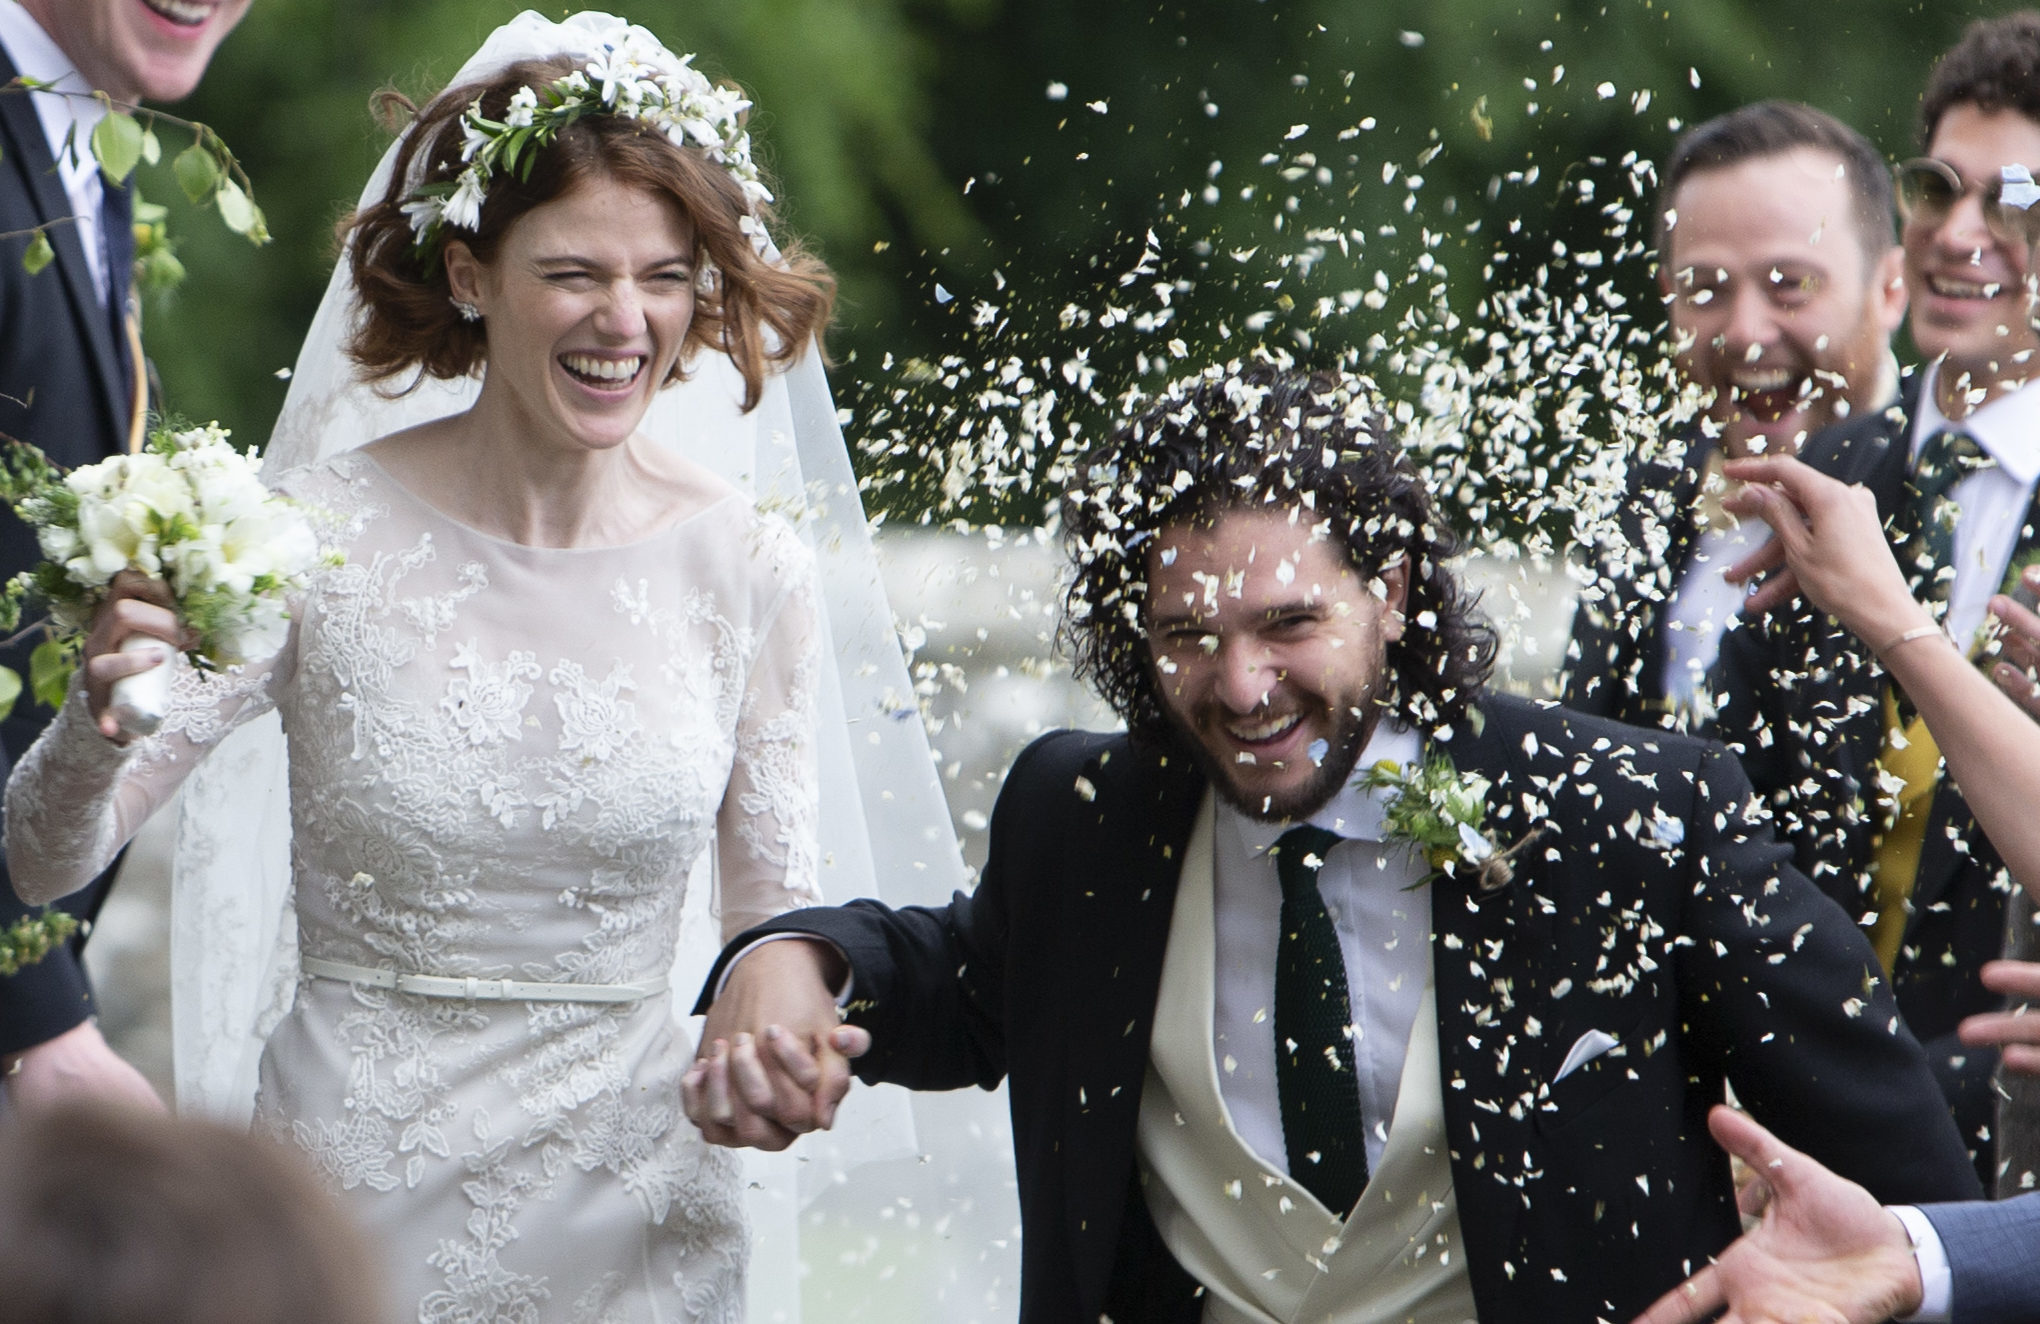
(1947, 458)
(1314, 1072)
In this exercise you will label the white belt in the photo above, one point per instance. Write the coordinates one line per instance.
(482, 990)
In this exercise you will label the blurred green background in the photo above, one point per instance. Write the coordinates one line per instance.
(984, 174)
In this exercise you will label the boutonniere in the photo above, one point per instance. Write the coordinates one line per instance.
(1440, 812)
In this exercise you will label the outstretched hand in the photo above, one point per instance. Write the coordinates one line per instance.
(1827, 542)
(2015, 1033)
(1826, 1252)
(774, 1061)
(2017, 669)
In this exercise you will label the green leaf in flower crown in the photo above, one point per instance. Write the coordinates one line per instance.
(49, 671)
(117, 145)
(198, 172)
(10, 690)
(38, 255)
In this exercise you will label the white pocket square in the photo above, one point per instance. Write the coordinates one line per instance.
(1584, 1050)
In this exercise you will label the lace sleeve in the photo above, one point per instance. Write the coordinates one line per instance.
(76, 797)
(767, 830)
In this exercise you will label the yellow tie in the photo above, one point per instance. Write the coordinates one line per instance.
(1912, 761)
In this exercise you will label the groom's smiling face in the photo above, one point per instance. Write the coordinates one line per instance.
(1269, 650)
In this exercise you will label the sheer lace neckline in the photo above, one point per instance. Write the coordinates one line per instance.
(658, 534)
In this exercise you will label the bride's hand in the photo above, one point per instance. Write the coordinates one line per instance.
(774, 1060)
(135, 605)
(1827, 542)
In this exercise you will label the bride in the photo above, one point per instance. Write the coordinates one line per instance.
(554, 660)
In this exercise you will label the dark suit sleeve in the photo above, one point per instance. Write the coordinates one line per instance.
(929, 982)
(1783, 990)
(1994, 1253)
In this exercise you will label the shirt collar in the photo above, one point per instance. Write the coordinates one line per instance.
(2008, 428)
(1355, 812)
(36, 54)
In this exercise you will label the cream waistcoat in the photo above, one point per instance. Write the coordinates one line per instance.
(1265, 1249)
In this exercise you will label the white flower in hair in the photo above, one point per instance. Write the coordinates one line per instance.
(631, 75)
(523, 104)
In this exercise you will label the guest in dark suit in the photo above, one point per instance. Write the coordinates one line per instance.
(1826, 1250)
(1782, 286)
(70, 382)
(1255, 1045)
(1853, 775)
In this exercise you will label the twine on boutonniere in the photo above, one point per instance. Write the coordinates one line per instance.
(1440, 812)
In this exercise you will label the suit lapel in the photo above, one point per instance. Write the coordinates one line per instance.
(1119, 932)
(69, 274)
(1484, 956)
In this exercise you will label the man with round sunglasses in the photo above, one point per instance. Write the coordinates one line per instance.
(1783, 284)
(1853, 776)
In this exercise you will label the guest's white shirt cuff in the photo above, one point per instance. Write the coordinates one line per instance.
(1937, 1280)
(849, 980)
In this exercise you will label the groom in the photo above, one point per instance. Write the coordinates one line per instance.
(1265, 1062)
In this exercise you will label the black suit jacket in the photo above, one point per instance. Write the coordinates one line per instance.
(1708, 957)
(65, 386)
(1803, 709)
(1615, 661)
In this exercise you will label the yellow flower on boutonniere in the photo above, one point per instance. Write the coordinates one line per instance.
(1440, 812)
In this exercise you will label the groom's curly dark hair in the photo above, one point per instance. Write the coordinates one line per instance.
(1251, 437)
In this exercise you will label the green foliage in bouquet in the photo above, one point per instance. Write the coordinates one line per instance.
(188, 510)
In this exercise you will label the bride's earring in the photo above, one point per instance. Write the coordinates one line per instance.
(468, 312)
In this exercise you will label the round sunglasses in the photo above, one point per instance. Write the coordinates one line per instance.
(1928, 190)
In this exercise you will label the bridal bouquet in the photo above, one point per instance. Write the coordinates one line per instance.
(190, 510)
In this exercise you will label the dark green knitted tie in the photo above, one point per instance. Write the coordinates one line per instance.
(1947, 458)
(1314, 1073)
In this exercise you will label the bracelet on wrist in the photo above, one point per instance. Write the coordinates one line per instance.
(1917, 632)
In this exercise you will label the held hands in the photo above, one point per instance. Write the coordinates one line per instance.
(775, 1058)
(1826, 1252)
(76, 1065)
(136, 605)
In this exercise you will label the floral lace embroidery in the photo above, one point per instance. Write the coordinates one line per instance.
(486, 785)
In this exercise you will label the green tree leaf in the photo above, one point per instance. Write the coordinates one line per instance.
(38, 255)
(240, 213)
(152, 147)
(117, 145)
(198, 172)
(10, 689)
(49, 672)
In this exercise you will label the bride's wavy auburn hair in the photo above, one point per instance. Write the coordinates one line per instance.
(762, 314)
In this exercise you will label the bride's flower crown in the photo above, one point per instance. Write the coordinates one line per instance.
(634, 76)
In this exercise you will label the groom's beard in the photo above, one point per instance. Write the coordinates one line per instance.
(1347, 736)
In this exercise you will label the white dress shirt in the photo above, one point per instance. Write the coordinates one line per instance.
(1702, 607)
(1384, 933)
(63, 118)
(1993, 501)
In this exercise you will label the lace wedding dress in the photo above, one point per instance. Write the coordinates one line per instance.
(504, 762)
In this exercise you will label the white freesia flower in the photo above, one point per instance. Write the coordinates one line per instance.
(633, 76)
(192, 511)
(464, 209)
(523, 106)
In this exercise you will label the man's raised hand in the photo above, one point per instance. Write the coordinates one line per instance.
(1826, 1252)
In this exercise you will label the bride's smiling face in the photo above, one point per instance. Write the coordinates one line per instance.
(587, 306)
